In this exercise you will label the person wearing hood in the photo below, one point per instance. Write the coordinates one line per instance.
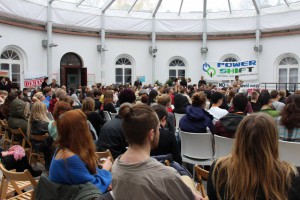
(227, 125)
(197, 119)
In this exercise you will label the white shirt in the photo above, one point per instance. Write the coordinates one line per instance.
(217, 113)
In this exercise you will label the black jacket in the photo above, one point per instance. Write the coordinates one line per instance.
(167, 145)
(111, 137)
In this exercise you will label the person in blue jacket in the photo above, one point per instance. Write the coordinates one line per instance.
(75, 161)
(197, 119)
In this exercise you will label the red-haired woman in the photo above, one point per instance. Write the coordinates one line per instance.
(75, 161)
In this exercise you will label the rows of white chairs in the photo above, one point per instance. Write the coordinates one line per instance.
(203, 148)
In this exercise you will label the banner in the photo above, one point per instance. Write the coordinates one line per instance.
(244, 85)
(33, 80)
(215, 71)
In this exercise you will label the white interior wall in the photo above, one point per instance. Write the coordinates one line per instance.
(36, 56)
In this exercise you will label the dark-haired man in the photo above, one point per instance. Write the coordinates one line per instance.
(215, 110)
(111, 134)
(228, 124)
(44, 84)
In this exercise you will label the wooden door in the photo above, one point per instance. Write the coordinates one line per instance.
(83, 76)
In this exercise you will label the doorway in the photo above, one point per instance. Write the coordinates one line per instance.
(72, 72)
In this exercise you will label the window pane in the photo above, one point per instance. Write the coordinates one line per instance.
(293, 78)
(181, 73)
(15, 68)
(119, 79)
(282, 78)
(4, 66)
(172, 72)
(127, 79)
(127, 71)
(119, 71)
(15, 77)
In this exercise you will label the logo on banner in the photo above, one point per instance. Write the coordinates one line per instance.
(228, 70)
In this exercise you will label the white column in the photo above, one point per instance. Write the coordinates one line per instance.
(153, 47)
(49, 39)
(102, 67)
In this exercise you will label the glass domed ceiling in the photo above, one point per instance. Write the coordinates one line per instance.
(180, 6)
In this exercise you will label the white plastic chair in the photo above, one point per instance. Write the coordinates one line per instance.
(196, 148)
(177, 118)
(107, 116)
(223, 146)
(289, 151)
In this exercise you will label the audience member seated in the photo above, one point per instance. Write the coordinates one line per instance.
(38, 125)
(76, 102)
(277, 105)
(97, 94)
(111, 134)
(19, 112)
(289, 128)
(152, 97)
(165, 100)
(265, 101)
(59, 108)
(228, 124)
(197, 119)
(88, 106)
(108, 102)
(135, 174)
(181, 101)
(282, 96)
(75, 161)
(254, 102)
(4, 108)
(215, 110)
(253, 169)
(167, 142)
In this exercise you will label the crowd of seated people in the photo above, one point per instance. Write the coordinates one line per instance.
(144, 126)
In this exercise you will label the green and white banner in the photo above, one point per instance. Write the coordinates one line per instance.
(246, 70)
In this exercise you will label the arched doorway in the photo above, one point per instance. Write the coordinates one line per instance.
(72, 72)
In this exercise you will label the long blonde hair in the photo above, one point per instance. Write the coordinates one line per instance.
(38, 113)
(254, 167)
(74, 134)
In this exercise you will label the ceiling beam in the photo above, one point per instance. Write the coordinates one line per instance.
(180, 7)
(79, 3)
(256, 6)
(156, 8)
(287, 2)
(132, 6)
(229, 5)
(107, 5)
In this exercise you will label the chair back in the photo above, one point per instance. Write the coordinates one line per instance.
(107, 116)
(289, 151)
(177, 118)
(102, 155)
(223, 146)
(201, 173)
(39, 137)
(196, 145)
(16, 179)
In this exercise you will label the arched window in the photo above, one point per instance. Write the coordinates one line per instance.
(288, 72)
(177, 68)
(230, 59)
(10, 66)
(123, 71)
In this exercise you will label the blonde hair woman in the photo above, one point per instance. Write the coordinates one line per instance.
(38, 125)
(253, 169)
(108, 101)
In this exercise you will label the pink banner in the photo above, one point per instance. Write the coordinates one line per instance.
(33, 82)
